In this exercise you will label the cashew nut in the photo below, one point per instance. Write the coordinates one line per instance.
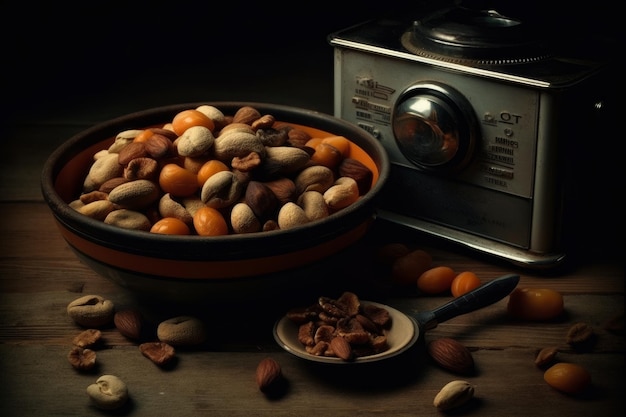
(344, 192)
(108, 393)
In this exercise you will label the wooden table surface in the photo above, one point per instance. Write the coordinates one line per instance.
(40, 275)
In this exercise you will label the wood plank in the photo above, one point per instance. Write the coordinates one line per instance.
(222, 384)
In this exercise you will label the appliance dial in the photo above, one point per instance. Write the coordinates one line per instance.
(435, 127)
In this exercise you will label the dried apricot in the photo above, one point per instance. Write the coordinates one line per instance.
(170, 226)
(569, 378)
(463, 283)
(144, 135)
(188, 118)
(436, 280)
(327, 155)
(406, 269)
(209, 222)
(209, 168)
(536, 304)
(313, 142)
(178, 181)
(340, 143)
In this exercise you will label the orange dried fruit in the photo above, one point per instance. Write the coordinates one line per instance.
(436, 280)
(188, 118)
(170, 226)
(569, 378)
(536, 304)
(407, 268)
(209, 168)
(463, 283)
(178, 181)
(209, 222)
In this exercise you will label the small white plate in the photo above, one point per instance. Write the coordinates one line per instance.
(402, 334)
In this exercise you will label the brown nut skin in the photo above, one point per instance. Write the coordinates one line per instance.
(246, 114)
(451, 355)
(355, 169)
(87, 338)
(546, 356)
(160, 353)
(91, 311)
(82, 359)
(269, 377)
(129, 323)
(262, 200)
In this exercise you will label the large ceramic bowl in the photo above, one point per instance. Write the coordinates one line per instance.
(197, 268)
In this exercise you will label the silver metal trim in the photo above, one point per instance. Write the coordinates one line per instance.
(448, 65)
(507, 253)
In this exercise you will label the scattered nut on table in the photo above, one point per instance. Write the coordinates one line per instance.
(108, 393)
(87, 338)
(546, 356)
(91, 311)
(160, 353)
(454, 394)
(579, 334)
(269, 376)
(451, 355)
(81, 358)
(129, 323)
(182, 331)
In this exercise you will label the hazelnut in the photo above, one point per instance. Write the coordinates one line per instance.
(355, 169)
(262, 200)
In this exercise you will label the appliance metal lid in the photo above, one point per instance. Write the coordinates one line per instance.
(471, 36)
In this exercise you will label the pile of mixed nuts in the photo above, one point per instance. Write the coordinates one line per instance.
(209, 173)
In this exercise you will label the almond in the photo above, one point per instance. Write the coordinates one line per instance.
(158, 145)
(341, 348)
(268, 375)
(451, 355)
(546, 356)
(129, 323)
(131, 151)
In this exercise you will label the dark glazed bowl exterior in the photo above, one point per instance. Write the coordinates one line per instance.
(186, 268)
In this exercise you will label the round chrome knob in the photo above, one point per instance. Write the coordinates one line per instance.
(434, 127)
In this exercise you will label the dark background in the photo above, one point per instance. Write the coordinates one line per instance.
(69, 65)
(112, 57)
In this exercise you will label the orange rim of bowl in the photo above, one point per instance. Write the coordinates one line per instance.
(190, 269)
